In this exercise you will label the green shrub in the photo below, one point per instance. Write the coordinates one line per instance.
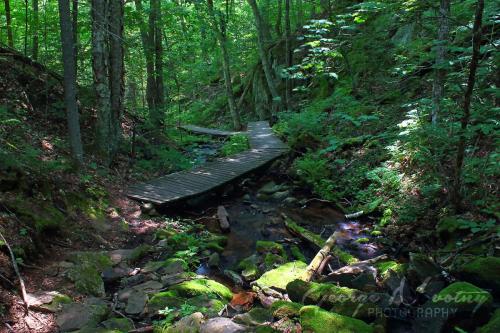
(236, 144)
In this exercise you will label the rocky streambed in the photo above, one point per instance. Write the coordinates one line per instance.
(193, 278)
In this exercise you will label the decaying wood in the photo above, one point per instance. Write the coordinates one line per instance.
(358, 267)
(223, 217)
(315, 264)
(145, 329)
(298, 231)
(325, 262)
(19, 276)
(354, 215)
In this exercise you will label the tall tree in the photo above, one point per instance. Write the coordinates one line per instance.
(471, 80)
(440, 63)
(148, 48)
(100, 63)
(277, 26)
(266, 65)
(36, 22)
(288, 54)
(8, 18)
(156, 28)
(70, 82)
(74, 14)
(116, 71)
(226, 68)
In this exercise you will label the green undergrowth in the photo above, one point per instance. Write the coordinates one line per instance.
(236, 144)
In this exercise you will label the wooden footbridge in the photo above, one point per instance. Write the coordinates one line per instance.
(264, 147)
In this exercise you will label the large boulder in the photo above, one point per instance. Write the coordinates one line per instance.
(460, 304)
(316, 320)
(198, 287)
(188, 324)
(279, 277)
(76, 316)
(483, 272)
(342, 300)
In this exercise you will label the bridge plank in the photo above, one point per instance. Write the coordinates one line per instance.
(264, 147)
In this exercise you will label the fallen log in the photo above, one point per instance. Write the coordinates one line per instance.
(319, 258)
(359, 267)
(316, 240)
(223, 217)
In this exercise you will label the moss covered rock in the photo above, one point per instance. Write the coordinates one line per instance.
(297, 254)
(463, 296)
(254, 317)
(284, 309)
(202, 287)
(316, 320)
(484, 272)
(385, 268)
(119, 324)
(86, 273)
(270, 247)
(493, 326)
(343, 300)
(279, 277)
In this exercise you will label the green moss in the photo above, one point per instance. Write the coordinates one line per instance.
(343, 300)
(279, 277)
(119, 324)
(363, 240)
(483, 271)
(316, 320)
(271, 260)
(447, 226)
(282, 309)
(214, 246)
(87, 280)
(493, 326)
(40, 214)
(384, 268)
(139, 252)
(202, 287)
(376, 233)
(57, 302)
(386, 217)
(303, 232)
(99, 260)
(463, 295)
(161, 300)
(270, 247)
(297, 254)
(344, 256)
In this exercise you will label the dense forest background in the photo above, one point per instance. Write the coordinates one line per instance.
(390, 107)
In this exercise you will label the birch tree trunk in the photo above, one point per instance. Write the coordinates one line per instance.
(266, 66)
(70, 83)
(440, 64)
(226, 69)
(100, 57)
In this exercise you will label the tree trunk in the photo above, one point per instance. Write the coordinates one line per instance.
(26, 27)
(149, 55)
(441, 50)
(8, 18)
(100, 65)
(226, 69)
(158, 46)
(70, 83)
(116, 71)
(74, 14)
(266, 66)
(288, 55)
(277, 26)
(300, 13)
(36, 21)
(476, 45)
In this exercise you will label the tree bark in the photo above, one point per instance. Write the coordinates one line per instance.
(476, 45)
(288, 55)
(74, 14)
(149, 55)
(70, 83)
(441, 51)
(158, 46)
(36, 22)
(266, 66)
(8, 18)
(100, 57)
(277, 26)
(226, 68)
(116, 71)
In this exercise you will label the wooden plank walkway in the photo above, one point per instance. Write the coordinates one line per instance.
(264, 147)
(207, 131)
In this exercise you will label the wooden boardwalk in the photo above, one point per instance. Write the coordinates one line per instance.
(264, 147)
